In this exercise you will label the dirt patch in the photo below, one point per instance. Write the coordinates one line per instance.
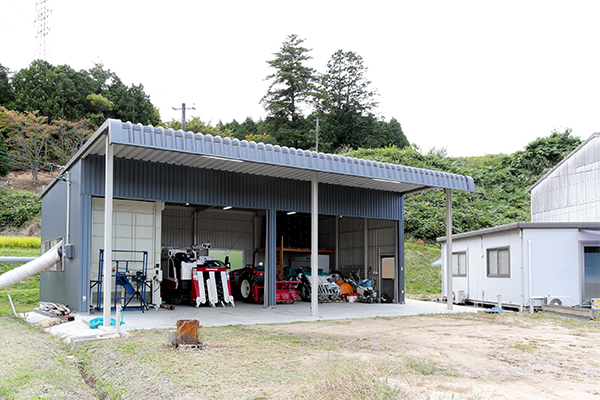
(459, 356)
(23, 180)
(33, 228)
(475, 356)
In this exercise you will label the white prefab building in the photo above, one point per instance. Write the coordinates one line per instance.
(526, 264)
(555, 259)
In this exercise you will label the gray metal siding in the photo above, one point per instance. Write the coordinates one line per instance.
(224, 230)
(59, 286)
(179, 184)
(381, 240)
(327, 233)
(177, 227)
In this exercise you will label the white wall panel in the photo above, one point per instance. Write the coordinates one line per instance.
(571, 192)
(136, 226)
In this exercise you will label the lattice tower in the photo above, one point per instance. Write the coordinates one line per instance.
(42, 28)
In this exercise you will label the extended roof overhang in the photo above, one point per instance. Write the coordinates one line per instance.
(195, 150)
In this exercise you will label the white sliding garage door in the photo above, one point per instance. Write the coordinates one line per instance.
(136, 227)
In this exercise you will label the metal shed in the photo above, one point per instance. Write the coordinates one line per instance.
(124, 165)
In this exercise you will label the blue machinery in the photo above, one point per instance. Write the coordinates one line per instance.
(130, 270)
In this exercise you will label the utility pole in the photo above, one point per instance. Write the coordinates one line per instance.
(183, 114)
(317, 137)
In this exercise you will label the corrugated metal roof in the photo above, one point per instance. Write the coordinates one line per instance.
(582, 226)
(161, 145)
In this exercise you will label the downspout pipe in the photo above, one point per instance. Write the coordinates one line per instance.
(68, 222)
(337, 243)
(366, 252)
(522, 272)
(529, 274)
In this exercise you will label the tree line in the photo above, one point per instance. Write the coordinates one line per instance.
(342, 99)
(48, 111)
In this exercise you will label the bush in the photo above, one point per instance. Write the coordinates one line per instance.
(16, 208)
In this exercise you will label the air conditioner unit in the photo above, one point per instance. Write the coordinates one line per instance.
(458, 296)
(557, 301)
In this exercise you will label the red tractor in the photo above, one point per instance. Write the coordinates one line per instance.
(249, 284)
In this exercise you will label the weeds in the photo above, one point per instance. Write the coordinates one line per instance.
(26, 242)
(529, 347)
(422, 367)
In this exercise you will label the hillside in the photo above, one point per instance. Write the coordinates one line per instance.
(501, 183)
(421, 279)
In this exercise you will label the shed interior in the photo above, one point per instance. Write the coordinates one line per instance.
(346, 244)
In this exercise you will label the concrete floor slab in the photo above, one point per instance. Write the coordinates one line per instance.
(243, 314)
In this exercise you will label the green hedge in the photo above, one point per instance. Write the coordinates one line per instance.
(16, 208)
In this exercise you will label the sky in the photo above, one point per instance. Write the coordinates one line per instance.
(472, 77)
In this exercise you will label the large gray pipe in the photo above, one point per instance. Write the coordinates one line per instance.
(23, 272)
(21, 260)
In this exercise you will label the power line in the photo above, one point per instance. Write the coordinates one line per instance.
(28, 159)
(15, 159)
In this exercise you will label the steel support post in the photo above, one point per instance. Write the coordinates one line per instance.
(314, 245)
(270, 295)
(108, 231)
(399, 294)
(449, 248)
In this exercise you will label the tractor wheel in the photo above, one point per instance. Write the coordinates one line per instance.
(304, 293)
(246, 288)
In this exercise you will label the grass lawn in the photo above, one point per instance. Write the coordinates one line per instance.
(25, 295)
